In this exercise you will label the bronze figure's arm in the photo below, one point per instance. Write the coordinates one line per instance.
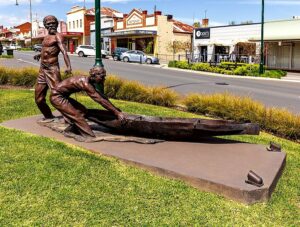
(63, 50)
(103, 101)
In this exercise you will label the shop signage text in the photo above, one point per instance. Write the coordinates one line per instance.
(133, 32)
(202, 33)
(134, 20)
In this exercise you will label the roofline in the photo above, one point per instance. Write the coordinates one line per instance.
(256, 23)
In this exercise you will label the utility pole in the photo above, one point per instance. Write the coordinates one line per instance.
(30, 10)
(261, 66)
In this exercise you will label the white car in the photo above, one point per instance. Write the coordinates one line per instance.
(14, 47)
(89, 50)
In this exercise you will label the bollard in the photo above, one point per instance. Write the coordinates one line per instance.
(10, 52)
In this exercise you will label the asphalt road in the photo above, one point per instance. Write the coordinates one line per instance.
(271, 93)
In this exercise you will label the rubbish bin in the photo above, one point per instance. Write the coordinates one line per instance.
(10, 52)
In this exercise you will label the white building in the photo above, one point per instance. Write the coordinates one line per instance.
(107, 25)
(242, 42)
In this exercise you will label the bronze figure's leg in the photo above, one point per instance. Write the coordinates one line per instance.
(40, 100)
(75, 116)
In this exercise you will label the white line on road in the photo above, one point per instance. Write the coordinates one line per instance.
(32, 63)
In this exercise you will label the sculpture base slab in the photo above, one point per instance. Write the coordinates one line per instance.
(102, 133)
(214, 165)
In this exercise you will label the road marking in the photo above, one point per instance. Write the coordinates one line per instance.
(28, 62)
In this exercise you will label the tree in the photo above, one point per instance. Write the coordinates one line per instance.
(196, 24)
(247, 22)
(178, 46)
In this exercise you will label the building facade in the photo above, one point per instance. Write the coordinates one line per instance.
(107, 26)
(78, 26)
(152, 33)
(242, 43)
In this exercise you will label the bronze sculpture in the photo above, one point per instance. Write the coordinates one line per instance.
(73, 111)
(49, 74)
(75, 114)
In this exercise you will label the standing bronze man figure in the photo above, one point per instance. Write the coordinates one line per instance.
(49, 74)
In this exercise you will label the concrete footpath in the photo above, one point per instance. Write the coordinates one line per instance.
(214, 165)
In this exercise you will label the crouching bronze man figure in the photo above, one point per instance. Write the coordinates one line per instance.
(49, 74)
(73, 111)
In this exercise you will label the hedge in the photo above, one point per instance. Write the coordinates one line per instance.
(114, 86)
(228, 68)
(280, 122)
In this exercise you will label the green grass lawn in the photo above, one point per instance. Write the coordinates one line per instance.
(48, 183)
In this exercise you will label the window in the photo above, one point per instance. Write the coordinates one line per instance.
(81, 23)
(69, 25)
(77, 24)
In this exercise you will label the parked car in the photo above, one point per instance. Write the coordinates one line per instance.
(13, 47)
(37, 47)
(89, 50)
(138, 56)
(117, 53)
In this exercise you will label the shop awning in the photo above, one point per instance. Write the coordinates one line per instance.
(72, 34)
(280, 31)
(130, 32)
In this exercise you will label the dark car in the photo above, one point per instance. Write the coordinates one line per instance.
(117, 53)
(37, 47)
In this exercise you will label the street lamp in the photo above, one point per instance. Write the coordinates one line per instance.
(30, 8)
(98, 60)
(261, 65)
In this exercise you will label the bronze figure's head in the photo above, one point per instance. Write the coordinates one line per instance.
(51, 24)
(97, 74)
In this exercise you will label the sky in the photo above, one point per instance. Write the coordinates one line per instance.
(219, 12)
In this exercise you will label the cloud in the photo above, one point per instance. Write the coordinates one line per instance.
(270, 2)
(21, 2)
(109, 1)
(12, 20)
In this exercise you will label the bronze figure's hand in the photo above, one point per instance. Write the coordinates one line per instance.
(68, 71)
(121, 117)
(37, 57)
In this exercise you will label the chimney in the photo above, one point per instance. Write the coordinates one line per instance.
(157, 13)
(205, 22)
(169, 17)
(145, 12)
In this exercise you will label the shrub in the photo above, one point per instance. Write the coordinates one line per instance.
(112, 86)
(172, 64)
(243, 109)
(231, 65)
(132, 91)
(6, 56)
(183, 65)
(161, 96)
(229, 68)
(4, 77)
(26, 77)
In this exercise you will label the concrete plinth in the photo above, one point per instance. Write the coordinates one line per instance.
(214, 165)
